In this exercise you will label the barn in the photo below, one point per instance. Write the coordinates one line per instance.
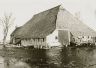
(53, 27)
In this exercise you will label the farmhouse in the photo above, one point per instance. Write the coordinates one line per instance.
(55, 26)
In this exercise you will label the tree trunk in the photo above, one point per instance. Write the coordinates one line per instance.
(4, 39)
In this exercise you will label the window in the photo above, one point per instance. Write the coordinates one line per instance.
(56, 37)
(82, 36)
(43, 40)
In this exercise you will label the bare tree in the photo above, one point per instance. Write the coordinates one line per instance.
(6, 23)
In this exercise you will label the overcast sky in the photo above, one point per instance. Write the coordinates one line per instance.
(23, 10)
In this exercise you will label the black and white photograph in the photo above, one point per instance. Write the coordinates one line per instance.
(47, 33)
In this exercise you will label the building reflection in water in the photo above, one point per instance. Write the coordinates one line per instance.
(24, 59)
(52, 58)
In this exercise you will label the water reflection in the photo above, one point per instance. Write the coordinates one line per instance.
(53, 58)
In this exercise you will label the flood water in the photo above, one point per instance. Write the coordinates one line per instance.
(66, 57)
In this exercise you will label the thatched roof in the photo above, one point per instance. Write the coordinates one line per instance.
(15, 31)
(41, 25)
(44, 23)
(13, 34)
(65, 20)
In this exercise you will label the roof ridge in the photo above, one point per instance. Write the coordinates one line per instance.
(46, 10)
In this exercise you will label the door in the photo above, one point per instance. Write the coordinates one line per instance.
(64, 37)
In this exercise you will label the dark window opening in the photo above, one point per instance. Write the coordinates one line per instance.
(43, 39)
(56, 37)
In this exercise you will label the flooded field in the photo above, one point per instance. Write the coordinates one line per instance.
(53, 58)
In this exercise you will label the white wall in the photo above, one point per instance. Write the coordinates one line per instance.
(50, 39)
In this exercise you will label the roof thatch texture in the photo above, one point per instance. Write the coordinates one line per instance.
(15, 31)
(65, 20)
(44, 23)
(41, 25)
